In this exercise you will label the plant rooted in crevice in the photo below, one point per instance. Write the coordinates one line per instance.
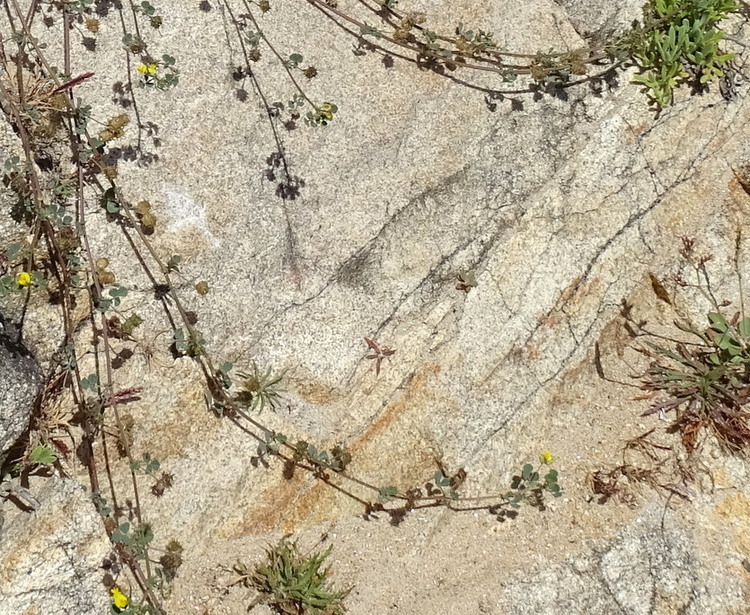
(292, 583)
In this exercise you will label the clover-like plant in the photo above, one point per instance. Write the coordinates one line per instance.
(530, 487)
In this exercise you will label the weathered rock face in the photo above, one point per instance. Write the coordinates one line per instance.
(50, 559)
(560, 207)
(652, 567)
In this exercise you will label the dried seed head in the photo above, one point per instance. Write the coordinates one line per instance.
(148, 220)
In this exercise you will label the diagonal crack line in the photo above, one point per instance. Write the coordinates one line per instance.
(431, 192)
(577, 343)
(563, 365)
(431, 275)
(279, 314)
(605, 198)
(572, 292)
(364, 250)
(393, 394)
(632, 220)
(611, 592)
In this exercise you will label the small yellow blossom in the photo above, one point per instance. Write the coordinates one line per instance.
(326, 111)
(147, 69)
(119, 599)
(546, 458)
(23, 279)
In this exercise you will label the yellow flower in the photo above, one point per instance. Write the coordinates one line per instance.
(546, 458)
(147, 69)
(119, 599)
(327, 110)
(23, 279)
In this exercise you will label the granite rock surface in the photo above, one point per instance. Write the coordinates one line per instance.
(312, 240)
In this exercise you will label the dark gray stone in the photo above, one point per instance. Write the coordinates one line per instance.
(20, 379)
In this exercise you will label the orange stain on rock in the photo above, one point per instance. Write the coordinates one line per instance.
(288, 504)
(739, 188)
(302, 500)
(417, 392)
(316, 393)
(393, 449)
(577, 290)
(633, 132)
(735, 509)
